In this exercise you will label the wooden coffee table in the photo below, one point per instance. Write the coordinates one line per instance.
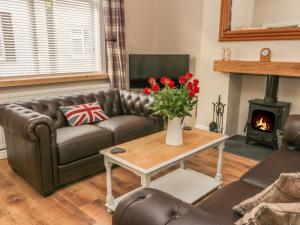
(150, 155)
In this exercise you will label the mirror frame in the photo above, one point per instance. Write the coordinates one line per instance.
(226, 34)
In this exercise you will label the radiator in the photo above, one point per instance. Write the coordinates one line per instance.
(44, 93)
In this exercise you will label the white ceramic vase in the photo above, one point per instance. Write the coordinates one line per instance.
(174, 132)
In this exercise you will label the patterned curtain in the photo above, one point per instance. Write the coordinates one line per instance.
(114, 27)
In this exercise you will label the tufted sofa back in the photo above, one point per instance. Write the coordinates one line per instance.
(109, 101)
(135, 103)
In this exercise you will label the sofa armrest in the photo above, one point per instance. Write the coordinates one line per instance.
(31, 146)
(23, 122)
(153, 207)
(291, 133)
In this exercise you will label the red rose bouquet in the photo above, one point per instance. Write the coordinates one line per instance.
(170, 101)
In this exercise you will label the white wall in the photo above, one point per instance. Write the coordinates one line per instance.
(233, 104)
(140, 26)
(214, 83)
(164, 26)
(178, 28)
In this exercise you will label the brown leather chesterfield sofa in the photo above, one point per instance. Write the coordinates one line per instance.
(48, 153)
(153, 207)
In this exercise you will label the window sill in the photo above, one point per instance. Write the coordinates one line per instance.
(50, 79)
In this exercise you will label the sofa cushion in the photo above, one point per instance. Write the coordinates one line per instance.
(221, 202)
(75, 143)
(83, 114)
(129, 127)
(266, 172)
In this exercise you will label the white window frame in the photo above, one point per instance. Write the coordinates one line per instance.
(100, 51)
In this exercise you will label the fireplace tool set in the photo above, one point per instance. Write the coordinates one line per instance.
(218, 116)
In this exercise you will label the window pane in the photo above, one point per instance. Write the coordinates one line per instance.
(2, 50)
(48, 36)
(17, 40)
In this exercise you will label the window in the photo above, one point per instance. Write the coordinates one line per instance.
(80, 42)
(2, 51)
(49, 36)
(7, 43)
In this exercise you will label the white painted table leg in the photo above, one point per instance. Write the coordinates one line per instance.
(109, 196)
(218, 176)
(145, 180)
(183, 165)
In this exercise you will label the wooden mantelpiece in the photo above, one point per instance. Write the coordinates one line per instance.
(287, 69)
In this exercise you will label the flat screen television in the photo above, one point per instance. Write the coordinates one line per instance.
(142, 67)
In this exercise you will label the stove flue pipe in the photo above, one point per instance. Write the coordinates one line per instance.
(271, 89)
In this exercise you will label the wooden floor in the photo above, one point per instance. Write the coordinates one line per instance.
(83, 202)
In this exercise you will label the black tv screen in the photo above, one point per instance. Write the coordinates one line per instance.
(142, 67)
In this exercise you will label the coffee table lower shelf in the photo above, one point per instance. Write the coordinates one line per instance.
(185, 184)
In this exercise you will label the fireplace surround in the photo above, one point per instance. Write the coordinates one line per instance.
(266, 116)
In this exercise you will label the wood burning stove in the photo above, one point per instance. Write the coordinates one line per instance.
(266, 116)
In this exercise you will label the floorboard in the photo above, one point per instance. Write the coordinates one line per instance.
(82, 202)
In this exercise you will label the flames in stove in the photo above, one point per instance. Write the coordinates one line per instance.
(262, 124)
(263, 121)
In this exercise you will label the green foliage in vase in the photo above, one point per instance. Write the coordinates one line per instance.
(171, 101)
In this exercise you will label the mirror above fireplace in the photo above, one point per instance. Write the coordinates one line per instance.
(259, 20)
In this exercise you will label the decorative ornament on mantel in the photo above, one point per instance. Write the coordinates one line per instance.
(226, 54)
(265, 55)
(174, 103)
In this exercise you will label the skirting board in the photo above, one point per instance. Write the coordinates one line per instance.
(202, 127)
(3, 154)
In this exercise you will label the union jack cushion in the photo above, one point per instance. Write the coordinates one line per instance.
(83, 114)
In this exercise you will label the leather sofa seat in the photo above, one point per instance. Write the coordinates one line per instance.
(129, 127)
(78, 142)
(221, 202)
(264, 174)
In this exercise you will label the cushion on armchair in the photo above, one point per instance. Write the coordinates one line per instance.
(286, 189)
(272, 213)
